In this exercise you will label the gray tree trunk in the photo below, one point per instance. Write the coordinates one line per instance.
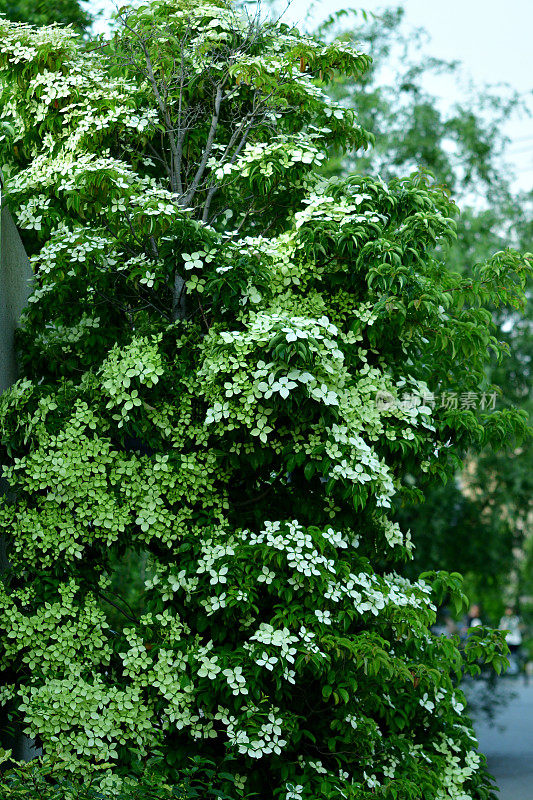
(15, 287)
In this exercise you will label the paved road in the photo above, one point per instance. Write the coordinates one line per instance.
(510, 751)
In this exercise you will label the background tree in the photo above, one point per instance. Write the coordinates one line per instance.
(43, 12)
(226, 362)
(478, 522)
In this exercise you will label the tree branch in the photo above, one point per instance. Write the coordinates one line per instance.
(111, 603)
(214, 189)
(187, 199)
(175, 179)
(179, 304)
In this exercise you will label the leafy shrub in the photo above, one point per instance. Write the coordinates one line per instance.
(41, 780)
(229, 369)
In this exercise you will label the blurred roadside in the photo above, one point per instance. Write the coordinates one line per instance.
(508, 744)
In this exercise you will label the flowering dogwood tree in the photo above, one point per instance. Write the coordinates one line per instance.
(228, 368)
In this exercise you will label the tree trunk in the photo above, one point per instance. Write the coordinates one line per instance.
(15, 287)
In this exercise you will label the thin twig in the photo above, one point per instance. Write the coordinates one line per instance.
(207, 151)
(111, 603)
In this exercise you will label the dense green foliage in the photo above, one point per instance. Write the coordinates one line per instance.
(42, 780)
(44, 12)
(229, 371)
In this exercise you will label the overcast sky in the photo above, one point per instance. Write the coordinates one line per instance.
(493, 39)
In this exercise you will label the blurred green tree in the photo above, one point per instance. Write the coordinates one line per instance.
(478, 523)
(43, 12)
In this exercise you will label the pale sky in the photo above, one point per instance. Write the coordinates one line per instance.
(493, 40)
